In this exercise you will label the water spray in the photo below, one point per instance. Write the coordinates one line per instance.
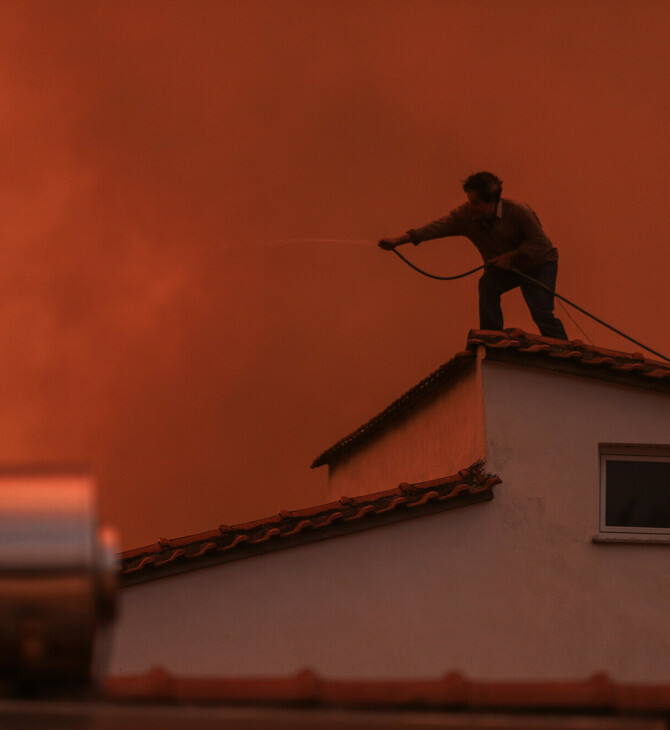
(353, 241)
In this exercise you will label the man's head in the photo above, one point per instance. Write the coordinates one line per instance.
(483, 190)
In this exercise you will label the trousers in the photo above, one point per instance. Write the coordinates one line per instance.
(495, 282)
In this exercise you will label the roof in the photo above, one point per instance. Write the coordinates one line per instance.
(291, 528)
(523, 348)
(520, 348)
(308, 700)
(453, 691)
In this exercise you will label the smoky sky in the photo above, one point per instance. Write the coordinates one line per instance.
(191, 298)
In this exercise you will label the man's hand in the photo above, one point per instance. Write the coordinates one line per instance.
(388, 244)
(504, 261)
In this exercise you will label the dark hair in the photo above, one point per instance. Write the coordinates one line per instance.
(487, 186)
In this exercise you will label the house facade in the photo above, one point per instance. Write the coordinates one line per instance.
(507, 518)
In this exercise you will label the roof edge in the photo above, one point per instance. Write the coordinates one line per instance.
(573, 357)
(293, 528)
(597, 694)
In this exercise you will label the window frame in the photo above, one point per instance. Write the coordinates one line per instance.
(628, 452)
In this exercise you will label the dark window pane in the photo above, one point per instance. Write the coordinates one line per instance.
(637, 494)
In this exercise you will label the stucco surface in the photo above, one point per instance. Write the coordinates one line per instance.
(508, 589)
(395, 601)
(587, 606)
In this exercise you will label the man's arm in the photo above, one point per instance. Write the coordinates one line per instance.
(446, 226)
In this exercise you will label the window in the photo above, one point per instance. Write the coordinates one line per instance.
(634, 491)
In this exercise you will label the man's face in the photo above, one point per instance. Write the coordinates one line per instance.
(478, 207)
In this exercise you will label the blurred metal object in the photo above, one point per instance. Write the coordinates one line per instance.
(57, 581)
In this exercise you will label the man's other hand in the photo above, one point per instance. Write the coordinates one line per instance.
(504, 261)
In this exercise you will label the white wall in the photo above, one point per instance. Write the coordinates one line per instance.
(404, 600)
(586, 606)
(508, 589)
(442, 435)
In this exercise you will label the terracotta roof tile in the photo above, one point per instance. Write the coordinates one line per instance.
(287, 528)
(527, 349)
(523, 342)
(298, 528)
(204, 548)
(453, 691)
(170, 557)
(237, 540)
(395, 502)
(598, 362)
(329, 520)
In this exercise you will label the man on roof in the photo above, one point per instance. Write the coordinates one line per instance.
(508, 235)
